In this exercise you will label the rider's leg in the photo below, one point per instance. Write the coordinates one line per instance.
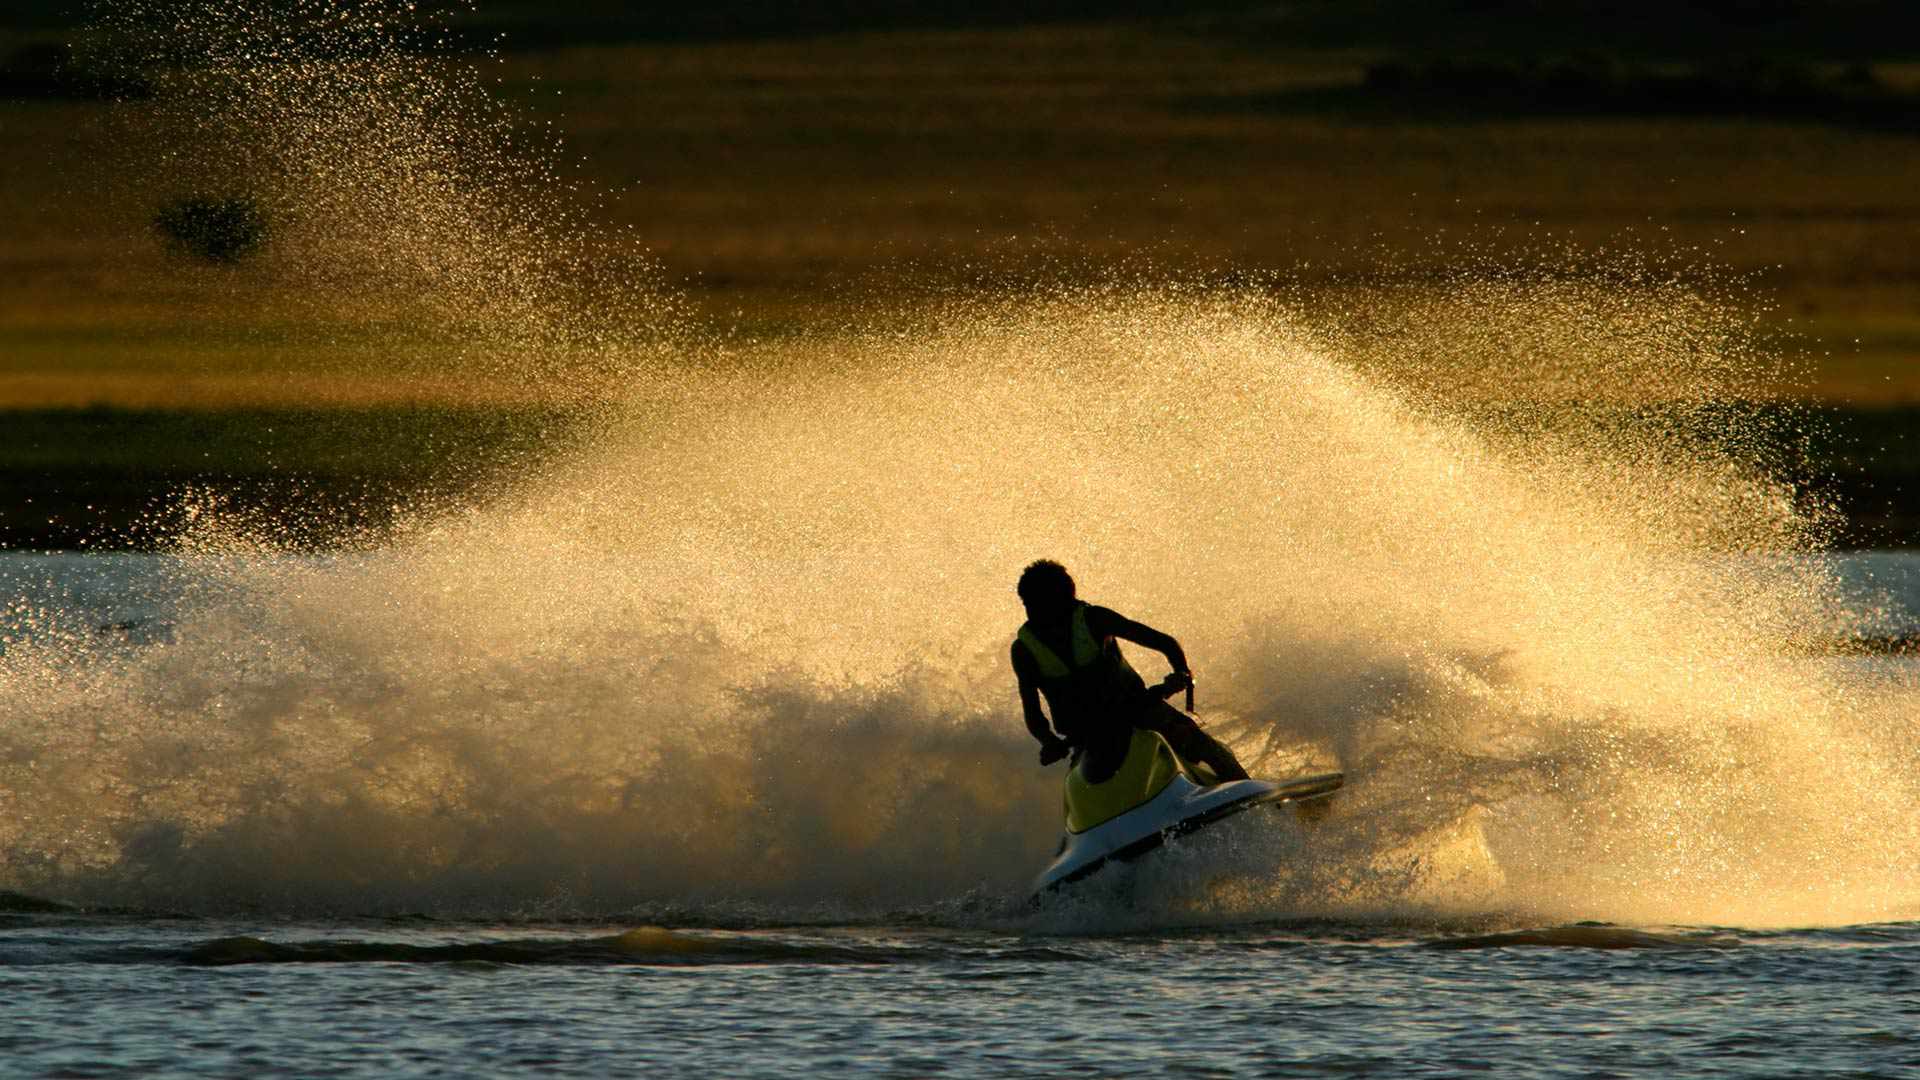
(1102, 751)
(1192, 743)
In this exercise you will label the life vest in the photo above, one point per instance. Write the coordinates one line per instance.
(1094, 679)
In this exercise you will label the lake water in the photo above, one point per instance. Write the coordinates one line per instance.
(103, 996)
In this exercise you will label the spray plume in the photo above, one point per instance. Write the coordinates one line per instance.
(1506, 546)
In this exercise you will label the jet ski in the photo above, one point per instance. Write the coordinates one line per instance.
(1155, 795)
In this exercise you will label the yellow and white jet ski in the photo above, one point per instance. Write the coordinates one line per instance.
(1153, 796)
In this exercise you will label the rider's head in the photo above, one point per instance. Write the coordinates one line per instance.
(1047, 589)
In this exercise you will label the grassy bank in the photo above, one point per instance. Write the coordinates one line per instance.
(786, 181)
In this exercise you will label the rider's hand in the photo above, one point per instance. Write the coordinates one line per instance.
(1053, 750)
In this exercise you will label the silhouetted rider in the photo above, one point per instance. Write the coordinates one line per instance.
(1070, 652)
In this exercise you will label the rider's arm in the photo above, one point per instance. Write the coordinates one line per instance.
(1141, 634)
(1036, 720)
(1052, 747)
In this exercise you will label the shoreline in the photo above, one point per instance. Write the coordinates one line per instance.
(102, 479)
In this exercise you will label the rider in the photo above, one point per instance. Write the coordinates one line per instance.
(1070, 651)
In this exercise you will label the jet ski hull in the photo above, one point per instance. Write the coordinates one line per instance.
(1179, 808)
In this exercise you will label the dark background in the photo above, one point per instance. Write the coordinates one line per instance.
(780, 160)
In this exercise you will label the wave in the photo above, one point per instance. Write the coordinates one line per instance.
(647, 945)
